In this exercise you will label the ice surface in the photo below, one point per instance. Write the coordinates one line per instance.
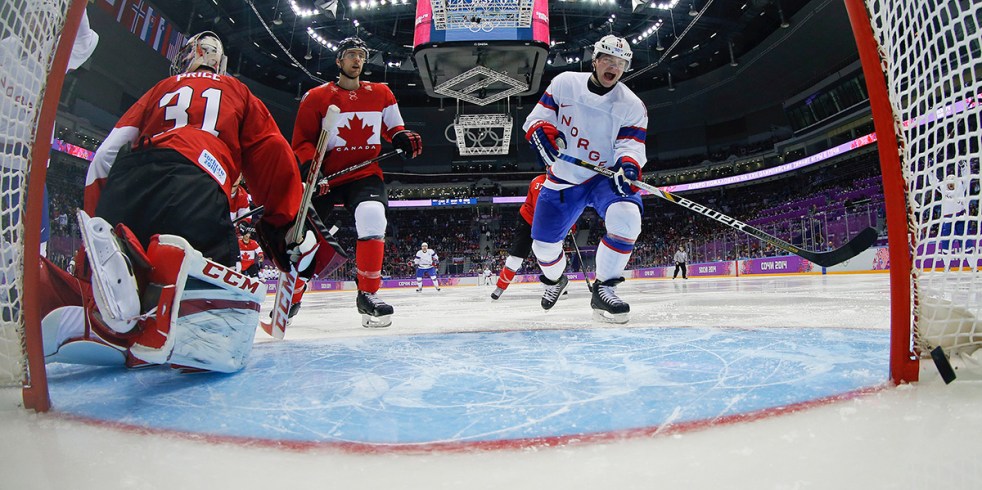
(903, 437)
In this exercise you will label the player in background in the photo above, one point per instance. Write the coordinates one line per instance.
(680, 263)
(158, 189)
(241, 202)
(369, 114)
(954, 190)
(250, 255)
(591, 117)
(426, 261)
(522, 246)
(486, 276)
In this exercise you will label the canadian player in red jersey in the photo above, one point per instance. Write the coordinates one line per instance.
(250, 255)
(241, 203)
(369, 114)
(161, 249)
(522, 246)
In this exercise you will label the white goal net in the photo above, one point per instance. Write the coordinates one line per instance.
(931, 57)
(30, 31)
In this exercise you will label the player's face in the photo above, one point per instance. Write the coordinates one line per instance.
(609, 69)
(352, 62)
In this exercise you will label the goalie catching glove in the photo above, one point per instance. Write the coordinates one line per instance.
(409, 142)
(547, 141)
(625, 170)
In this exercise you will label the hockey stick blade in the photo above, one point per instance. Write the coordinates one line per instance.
(285, 285)
(860, 242)
(864, 240)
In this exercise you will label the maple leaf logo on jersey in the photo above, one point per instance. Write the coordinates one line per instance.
(356, 133)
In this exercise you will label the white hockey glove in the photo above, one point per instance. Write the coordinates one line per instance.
(274, 242)
(302, 254)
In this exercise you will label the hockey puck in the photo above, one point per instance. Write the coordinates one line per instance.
(944, 367)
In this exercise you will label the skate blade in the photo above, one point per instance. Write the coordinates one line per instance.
(607, 317)
(369, 321)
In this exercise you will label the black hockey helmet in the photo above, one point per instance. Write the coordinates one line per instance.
(245, 227)
(353, 42)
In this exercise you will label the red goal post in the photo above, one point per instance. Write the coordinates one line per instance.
(923, 66)
(46, 29)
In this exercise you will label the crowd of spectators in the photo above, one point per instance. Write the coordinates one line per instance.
(802, 209)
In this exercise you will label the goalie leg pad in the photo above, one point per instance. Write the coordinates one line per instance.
(207, 313)
(114, 283)
(65, 338)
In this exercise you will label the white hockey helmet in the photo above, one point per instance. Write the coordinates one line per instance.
(202, 49)
(423, 245)
(617, 47)
(950, 181)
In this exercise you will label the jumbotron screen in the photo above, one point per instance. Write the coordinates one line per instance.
(426, 31)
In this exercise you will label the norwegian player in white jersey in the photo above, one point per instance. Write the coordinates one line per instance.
(954, 190)
(591, 117)
(426, 261)
(486, 276)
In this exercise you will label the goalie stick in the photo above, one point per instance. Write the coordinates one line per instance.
(860, 242)
(323, 181)
(288, 280)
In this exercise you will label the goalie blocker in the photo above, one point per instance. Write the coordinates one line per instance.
(172, 306)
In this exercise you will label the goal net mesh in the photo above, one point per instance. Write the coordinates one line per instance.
(29, 31)
(931, 58)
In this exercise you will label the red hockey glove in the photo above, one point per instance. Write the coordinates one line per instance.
(409, 142)
(626, 170)
(547, 141)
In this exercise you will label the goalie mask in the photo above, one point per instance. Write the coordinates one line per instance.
(202, 50)
(617, 47)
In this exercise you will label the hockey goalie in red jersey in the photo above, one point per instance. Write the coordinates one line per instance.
(159, 285)
(369, 114)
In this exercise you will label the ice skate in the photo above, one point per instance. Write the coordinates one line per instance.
(607, 307)
(375, 313)
(496, 293)
(554, 289)
(294, 310)
(419, 289)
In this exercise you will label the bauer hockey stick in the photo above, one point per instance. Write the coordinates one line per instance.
(287, 281)
(579, 257)
(860, 242)
(324, 180)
